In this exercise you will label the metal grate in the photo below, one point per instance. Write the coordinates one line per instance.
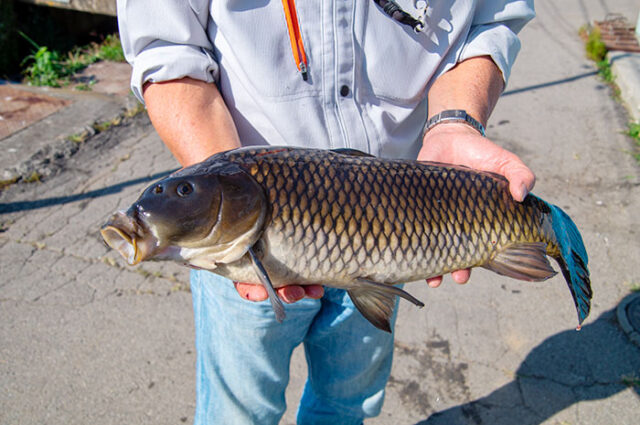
(618, 34)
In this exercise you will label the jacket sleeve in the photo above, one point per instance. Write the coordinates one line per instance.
(166, 40)
(494, 32)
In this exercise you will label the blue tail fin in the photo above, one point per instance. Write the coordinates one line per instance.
(573, 260)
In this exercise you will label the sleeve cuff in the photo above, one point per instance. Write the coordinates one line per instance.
(162, 61)
(495, 40)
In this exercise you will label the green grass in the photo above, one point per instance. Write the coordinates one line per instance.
(8, 182)
(110, 49)
(46, 67)
(595, 48)
(604, 71)
(631, 381)
(597, 51)
(33, 177)
(634, 132)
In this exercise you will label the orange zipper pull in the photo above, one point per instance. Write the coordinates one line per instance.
(297, 46)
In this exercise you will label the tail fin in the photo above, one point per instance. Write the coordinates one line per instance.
(573, 260)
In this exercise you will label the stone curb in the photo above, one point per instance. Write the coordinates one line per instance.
(623, 319)
(42, 158)
(626, 67)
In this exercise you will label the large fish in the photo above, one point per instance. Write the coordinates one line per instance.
(342, 218)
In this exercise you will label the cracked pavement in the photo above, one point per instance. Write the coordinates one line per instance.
(88, 339)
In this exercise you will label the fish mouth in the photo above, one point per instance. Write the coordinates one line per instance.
(127, 235)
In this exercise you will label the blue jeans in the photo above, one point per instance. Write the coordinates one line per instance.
(243, 357)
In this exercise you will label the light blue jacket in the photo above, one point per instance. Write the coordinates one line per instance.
(386, 67)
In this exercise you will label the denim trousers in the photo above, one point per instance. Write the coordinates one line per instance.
(243, 357)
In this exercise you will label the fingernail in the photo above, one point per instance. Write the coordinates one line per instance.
(525, 191)
(314, 292)
(519, 193)
(433, 282)
(294, 294)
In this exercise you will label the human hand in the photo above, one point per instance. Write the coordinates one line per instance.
(288, 294)
(458, 143)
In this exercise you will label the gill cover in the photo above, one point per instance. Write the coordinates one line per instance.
(194, 217)
(239, 222)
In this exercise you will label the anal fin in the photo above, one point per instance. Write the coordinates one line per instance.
(376, 301)
(524, 261)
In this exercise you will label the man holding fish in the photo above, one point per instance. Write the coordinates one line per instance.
(216, 75)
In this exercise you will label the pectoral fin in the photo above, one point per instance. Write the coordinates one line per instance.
(376, 301)
(277, 305)
(524, 261)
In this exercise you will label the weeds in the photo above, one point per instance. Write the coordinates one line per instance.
(631, 381)
(597, 51)
(634, 132)
(46, 68)
(604, 71)
(49, 68)
(85, 86)
(8, 182)
(33, 177)
(79, 137)
(595, 48)
(132, 112)
(110, 49)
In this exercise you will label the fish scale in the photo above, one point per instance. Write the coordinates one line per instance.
(282, 215)
(389, 219)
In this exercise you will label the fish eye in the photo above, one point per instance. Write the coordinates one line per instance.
(184, 189)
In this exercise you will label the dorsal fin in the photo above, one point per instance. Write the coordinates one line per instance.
(352, 152)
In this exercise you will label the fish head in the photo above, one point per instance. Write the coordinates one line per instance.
(196, 219)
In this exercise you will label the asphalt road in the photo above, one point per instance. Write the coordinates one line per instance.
(87, 339)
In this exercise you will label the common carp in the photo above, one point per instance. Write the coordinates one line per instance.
(342, 218)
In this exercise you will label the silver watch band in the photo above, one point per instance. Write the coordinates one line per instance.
(454, 115)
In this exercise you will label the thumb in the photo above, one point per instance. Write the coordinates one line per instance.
(521, 179)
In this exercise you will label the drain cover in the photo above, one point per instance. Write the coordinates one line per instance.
(629, 316)
(618, 34)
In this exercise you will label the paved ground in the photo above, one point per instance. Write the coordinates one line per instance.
(85, 339)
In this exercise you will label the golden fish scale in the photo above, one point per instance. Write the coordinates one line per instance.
(388, 221)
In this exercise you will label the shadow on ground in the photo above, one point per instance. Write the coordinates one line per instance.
(567, 368)
(10, 207)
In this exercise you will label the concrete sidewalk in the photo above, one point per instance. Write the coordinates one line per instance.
(41, 127)
(87, 339)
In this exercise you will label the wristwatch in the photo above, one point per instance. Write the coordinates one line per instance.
(454, 115)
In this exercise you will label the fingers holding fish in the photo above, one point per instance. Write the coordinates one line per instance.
(458, 143)
(289, 294)
(459, 276)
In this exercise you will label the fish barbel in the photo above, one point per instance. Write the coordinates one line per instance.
(342, 218)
